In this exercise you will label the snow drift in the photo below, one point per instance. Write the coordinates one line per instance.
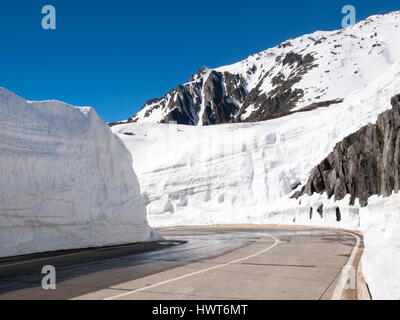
(66, 180)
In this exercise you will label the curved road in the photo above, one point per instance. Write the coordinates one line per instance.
(211, 262)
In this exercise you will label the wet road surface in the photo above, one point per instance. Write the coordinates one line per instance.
(213, 262)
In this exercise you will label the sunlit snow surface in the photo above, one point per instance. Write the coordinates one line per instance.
(66, 180)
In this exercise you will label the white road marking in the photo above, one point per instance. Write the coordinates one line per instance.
(196, 272)
(345, 273)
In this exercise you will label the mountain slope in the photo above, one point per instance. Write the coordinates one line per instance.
(323, 67)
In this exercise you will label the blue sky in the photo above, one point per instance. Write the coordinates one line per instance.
(116, 55)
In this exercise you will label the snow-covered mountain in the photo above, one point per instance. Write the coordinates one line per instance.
(317, 69)
(66, 180)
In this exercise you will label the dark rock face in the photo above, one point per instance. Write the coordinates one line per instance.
(219, 93)
(279, 101)
(182, 105)
(219, 89)
(363, 164)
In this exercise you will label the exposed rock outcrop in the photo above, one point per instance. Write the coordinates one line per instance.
(211, 97)
(363, 164)
(222, 92)
(284, 96)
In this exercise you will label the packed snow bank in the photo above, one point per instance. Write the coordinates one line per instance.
(245, 173)
(381, 258)
(66, 180)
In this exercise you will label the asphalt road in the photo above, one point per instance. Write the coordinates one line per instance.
(213, 262)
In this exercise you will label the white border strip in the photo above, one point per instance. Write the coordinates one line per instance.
(345, 273)
(195, 273)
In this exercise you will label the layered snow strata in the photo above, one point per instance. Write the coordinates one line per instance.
(244, 173)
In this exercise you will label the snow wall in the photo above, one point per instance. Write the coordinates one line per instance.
(66, 180)
(246, 172)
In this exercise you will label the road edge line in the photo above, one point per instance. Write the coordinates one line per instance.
(345, 272)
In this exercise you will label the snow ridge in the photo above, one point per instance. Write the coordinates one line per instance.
(317, 67)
